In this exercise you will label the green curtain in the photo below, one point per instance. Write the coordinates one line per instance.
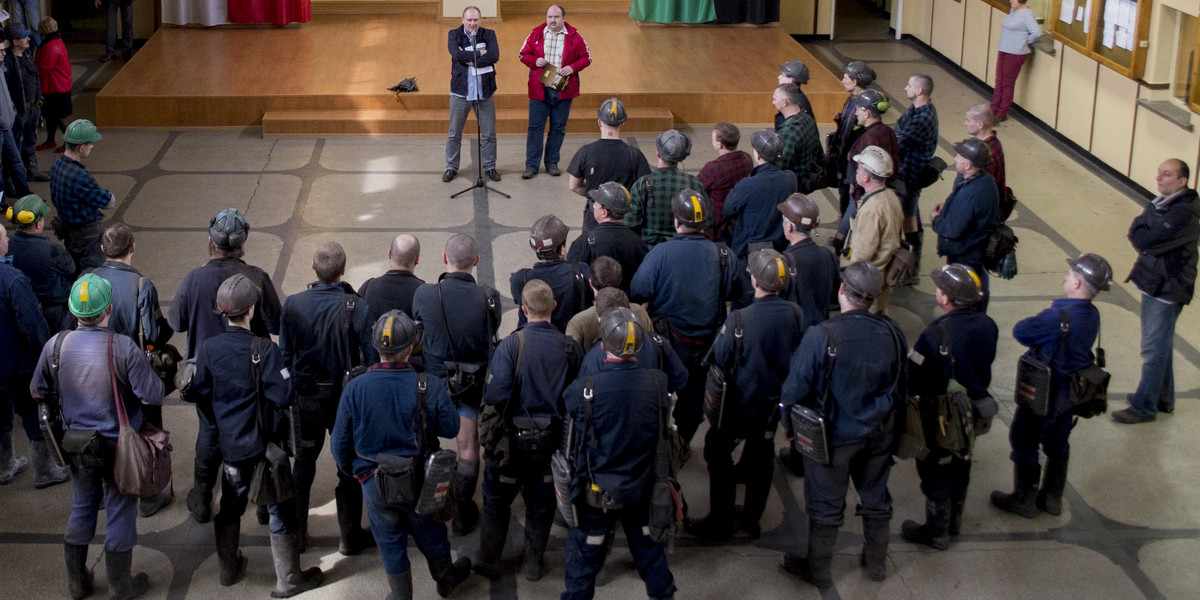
(673, 11)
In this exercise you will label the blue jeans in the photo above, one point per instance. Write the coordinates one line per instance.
(588, 545)
(1156, 390)
(125, 10)
(93, 489)
(235, 495)
(25, 13)
(13, 166)
(1030, 431)
(558, 112)
(868, 462)
(392, 526)
(486, 113)
(25, 131)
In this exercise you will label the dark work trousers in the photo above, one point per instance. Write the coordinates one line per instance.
(754, 469)
(235, 495)
(1030, 431)
(868, 463)
(588, 545)
(207, 466)
(689, 405)
(83, 243)
(15, 398)
(529, 475)
(944, 476)
(348, 493)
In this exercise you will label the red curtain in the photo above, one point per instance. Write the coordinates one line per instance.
(278, 12)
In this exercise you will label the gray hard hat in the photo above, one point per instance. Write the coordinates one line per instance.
(673, 145)
(860, 72)
(690, 206)
(795, 69)
(768, 145)
(612, 112)
(547, 234)
(612, 196)
(394, 332)
(770, 270)
(976, 151)
(872, 100)
(801, 210)
(1094, 270)
(621, 332)
(228, 230)
(236, 295)
(958, 282)
(863, 282)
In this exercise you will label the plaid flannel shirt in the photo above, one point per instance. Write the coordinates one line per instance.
(75, 193)
(650, 208)
(801, 141)
(916, 138)
(997, 166)
(719, 177)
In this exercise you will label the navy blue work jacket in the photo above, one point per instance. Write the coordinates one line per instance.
(750, 207)
(680, 281)
(193, 309)
(128, 305)
(49, 267)
(656, 353)
(1040, 333)
(970, 348)
(225, 379)
(549, 361)
(23, 331)
(817, 280)
(457, 310)
(614, 240)
(771, 330)
(314, 338)
(393, 290)
(970, 214)
(568, 280)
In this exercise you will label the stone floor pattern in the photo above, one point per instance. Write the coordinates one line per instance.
(1131, 519)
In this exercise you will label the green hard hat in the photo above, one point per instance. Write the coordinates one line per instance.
(90, 295)
(81, 131)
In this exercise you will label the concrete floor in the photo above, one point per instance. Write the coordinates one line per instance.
(1130, 520)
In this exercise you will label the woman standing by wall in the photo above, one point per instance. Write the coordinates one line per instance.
(1018, 30)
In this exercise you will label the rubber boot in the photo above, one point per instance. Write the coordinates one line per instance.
(148, 507)
(814, 568)
(448, 575)
(1049, 498)
(959, 481)
(935, 531)
(493, 533)
(32, 173)
(400, 586)
(263, 515)
(199, 503)
(121, 585)
(354, 539)
(875, 545)
(722, 490)
(289, 579)
(466, 479)
(1025, 486)
(792, 461)
(230, 559)
(10, 465)
(79, 578)
(536, 537)
(46, 472)
(916, 241)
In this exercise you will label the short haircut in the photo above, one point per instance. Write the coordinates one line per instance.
(472, 8)
(47, 26)
(70, 146)
(538, 299)
(1182, 168)
(924, 82)
(982, 113)
(606, 273)
(689, 227)
(329, 262)
(216, 252)
(461, 251)
(117, 241)
(405, 250)
(559, 7)
(791, 93)
(91, 321)
(610, 298)
(728, 134)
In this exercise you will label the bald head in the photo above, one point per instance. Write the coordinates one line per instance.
(461, 252)
(405, 252)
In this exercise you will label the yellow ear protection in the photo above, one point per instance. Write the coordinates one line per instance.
(23, 217)
(883, 106)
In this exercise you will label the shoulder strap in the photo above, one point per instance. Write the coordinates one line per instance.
(591, 241)
(520, 333)
(55, 359)
(944, 348)
(256, 351)
(422, 413)
(348, 329)
(1064, 328)
(580, 286)
(137, 313)
(589, 393)
(723, 263)
(122, 416)
(446, 323)
(830, 358)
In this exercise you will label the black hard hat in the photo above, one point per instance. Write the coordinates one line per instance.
(770, 270)
(768, 145)
(228, 230)
(801, 210)
(1094, 270)
(613, 196)
(976, 151)
(959, 283)
(236, 295)
(621, 332)
(872, 100)
(673, 145)
(795, 69)
(863, 282)
(860, 72)
(690, 206)
(394, 332)
(548, 233)
(611, 112)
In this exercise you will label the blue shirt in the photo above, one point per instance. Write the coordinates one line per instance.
(679, 281)
(23, 331)
(548, 362)
(196, 300)
(131, 305)
(968, 217)
(971, 346)
(317, 345)
(756, 368)
(47, 264)
(568, 281)
(1040, 333)
(750, 207)
(459, 317)
(817, 280)
(75, 193)
(655, 353)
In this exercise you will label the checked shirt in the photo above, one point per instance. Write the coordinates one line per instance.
(800, 143)
(75, 193)
(650, 209)
(916, 138)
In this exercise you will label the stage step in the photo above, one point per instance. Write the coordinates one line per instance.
(355, 123)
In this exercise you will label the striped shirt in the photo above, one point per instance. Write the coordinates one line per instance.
(554, 45)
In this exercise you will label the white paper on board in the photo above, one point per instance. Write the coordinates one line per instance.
(1066, 14)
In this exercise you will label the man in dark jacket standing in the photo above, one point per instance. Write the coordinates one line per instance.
(610, 237)
(557, 44)
(473, 51)
(1165, 237)
(25, 88)
(966, 219)
(47, 264)
(750, 206)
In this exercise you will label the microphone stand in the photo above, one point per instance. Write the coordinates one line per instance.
(479, 181)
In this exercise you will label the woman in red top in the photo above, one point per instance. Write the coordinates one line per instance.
(54, 69)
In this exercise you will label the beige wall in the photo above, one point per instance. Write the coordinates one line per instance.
(797, 17)
(1090, 104)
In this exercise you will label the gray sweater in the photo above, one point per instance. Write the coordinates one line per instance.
(7, 113)
(1018, 30)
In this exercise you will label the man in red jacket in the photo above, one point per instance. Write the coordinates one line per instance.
(559, 45)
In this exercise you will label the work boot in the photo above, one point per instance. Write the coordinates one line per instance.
(121, 585)
(79, 578)
(466, 479)
(875, 545)
(792, 461)
(199, 503)
(448, 575)
(10, 465)
(354, 539)
(148, 507)
(400, 586)
(1049, 498)
(934, 532)
(536, 537)
(959, 481)
(289, 579)
(263, 515)
(46, 472)
(814, 568)
(954, 524)
(713, 527)
(1025, 486)
(493, 533)
(32, 173)
(230, 559)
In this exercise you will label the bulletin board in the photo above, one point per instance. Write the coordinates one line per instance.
(1113, 32)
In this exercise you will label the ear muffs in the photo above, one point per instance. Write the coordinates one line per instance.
(882, 107)
(23, 217)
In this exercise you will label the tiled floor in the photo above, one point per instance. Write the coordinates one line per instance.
(1131, 521)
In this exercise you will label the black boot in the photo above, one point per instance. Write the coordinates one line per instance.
(289, 579)
(814, 568)
(121, 585)
(792, 461)
(536, 537)
(400, 586)
(263, 515)
(1049, 498)
(466, 479)
(148, 507)
(875, 545)
(448, 575)
(79, 578)
(960, 479)
(493, 533)
(354, 538)
(230, 559)
(46, 471)
(1025, 486)
(199, 503)
(935, 531)
(32, 173)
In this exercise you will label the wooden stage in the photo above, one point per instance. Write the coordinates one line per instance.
(328, 77)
